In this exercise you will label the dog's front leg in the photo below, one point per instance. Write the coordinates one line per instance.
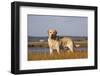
(58, 50)
(51, 50)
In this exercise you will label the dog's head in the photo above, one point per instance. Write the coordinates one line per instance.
(52, 33)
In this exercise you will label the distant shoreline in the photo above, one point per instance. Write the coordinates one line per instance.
(45, 38)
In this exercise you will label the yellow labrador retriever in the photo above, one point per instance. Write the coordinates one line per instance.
(55, 43)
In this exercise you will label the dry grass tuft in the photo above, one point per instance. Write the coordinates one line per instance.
(55, 55)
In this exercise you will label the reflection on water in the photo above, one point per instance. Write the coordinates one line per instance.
(42, 50)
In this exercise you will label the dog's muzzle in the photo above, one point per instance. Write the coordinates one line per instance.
(53, 36)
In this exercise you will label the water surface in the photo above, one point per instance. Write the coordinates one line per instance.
(46, 50)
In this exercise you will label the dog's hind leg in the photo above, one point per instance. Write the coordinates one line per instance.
(71, 48)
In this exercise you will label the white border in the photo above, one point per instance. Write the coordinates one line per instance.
(26, 65)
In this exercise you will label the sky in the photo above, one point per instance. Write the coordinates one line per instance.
(38, 25)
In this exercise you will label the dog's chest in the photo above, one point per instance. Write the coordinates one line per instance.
(53, 43)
